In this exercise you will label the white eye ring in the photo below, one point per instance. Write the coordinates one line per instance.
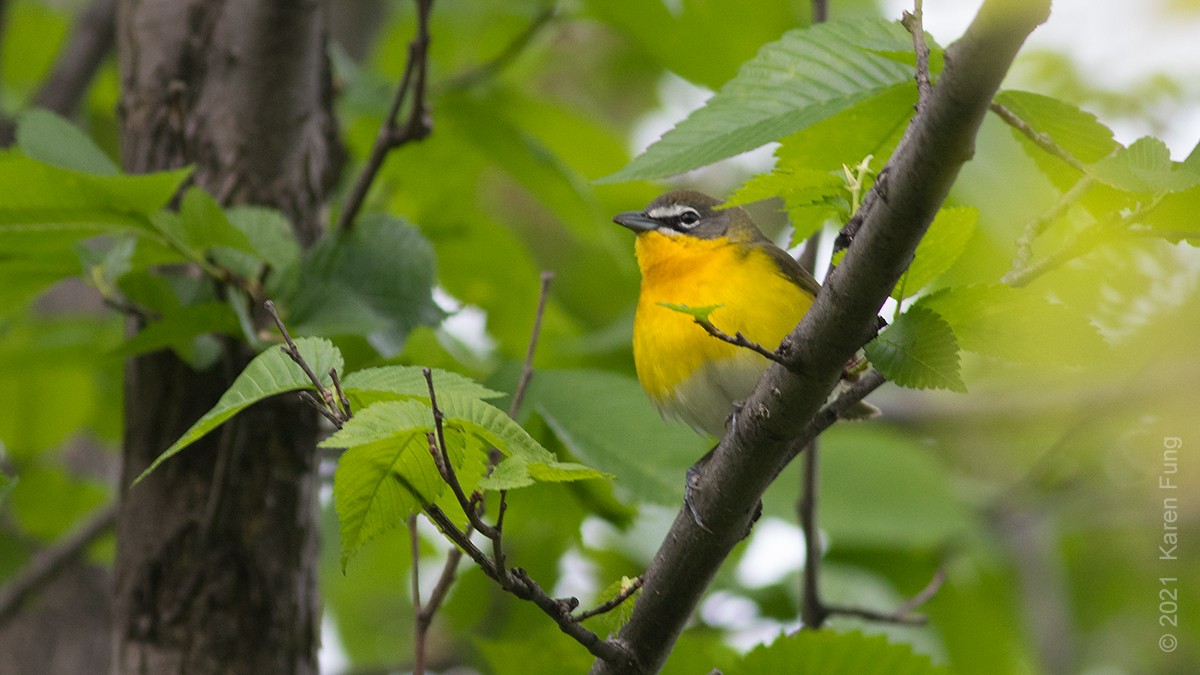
(689, 217)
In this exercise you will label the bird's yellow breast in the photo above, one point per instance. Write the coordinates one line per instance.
(680, 366)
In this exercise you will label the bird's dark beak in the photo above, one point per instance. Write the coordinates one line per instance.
(636, 221)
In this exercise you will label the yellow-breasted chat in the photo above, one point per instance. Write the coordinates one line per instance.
(692, 253)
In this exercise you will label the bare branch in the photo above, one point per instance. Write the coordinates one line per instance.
(391, 133)
(49, 563)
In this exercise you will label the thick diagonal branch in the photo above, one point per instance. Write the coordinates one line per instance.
(898, 213)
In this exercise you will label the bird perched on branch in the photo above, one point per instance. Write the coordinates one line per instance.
(693, 254)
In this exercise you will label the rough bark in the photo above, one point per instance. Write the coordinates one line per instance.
(216, 551)
(895, 217)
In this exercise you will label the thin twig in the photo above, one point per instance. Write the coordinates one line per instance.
(419, 629)
(527, 367)
(518, 582)
(1078, 245)
(294, 353)
(448, 473)
(48, 564)
(740, 340)
(496, 65)
(391, 134)
(610, 604)
(820, 11)
(341, 393)
(914, 22)
(1037, 225)
(903, 614)
(1039, 139)
(460, 539)
(449, 572)
(321, 408)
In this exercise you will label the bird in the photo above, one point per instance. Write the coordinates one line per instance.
(692, 253)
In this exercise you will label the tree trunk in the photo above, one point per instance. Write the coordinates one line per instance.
(216, 551)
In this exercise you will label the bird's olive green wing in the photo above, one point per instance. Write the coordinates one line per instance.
(791, 269)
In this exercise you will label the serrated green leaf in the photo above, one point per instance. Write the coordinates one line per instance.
(918, 351)
(698, 313)
(375, 281)
(378, 485)
(271, 372)
(1076, 131)
(47, 137)
(1018, 324)
(825, 652)
(1144, 167)
(806, 76)
(811, 196)
(382, 421)
(941, 246)
(385, 382)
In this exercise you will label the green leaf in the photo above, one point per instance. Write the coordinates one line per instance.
(1174, 219)
(697, 313)
(378, 485)
(37, 194)
(271, 372)
(649, 457)
(1144, 167)
(375, 281)
(824, 652)
(526, 462)
(918, 351)
(49, 501)
(811, 196)
(388, 382)
(610, 622)
(1018, 324)
(806, 76)
(1076, 131)
(180, 330)
(49, 138)
(884, 491)
(939, 249)
(274, 242)
(204, 226)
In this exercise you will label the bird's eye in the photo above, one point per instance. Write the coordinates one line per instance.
(689, 218)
